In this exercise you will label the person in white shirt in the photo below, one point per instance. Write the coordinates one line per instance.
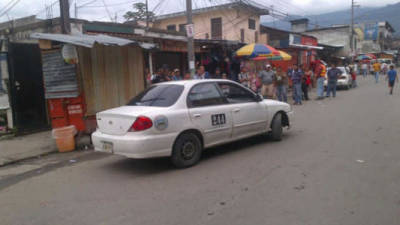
(364, 69)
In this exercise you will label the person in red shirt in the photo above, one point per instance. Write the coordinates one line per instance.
(306, 82)
(353, 78)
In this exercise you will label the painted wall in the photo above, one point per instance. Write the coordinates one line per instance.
(232, 22)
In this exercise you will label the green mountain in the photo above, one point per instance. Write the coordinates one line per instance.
(390, 13)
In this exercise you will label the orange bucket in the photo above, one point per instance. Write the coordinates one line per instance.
(65, 138)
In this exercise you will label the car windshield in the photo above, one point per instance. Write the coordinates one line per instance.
(159, 95)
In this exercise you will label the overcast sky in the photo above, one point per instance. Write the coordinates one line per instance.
(95, 9)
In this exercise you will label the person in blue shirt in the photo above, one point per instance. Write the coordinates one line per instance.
(392, 77)
(333, 75)
(297, 76)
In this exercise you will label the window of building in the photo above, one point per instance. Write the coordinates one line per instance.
(252, 24)
(216, 28)
(182, 28)
(242, 35)
(171, 27)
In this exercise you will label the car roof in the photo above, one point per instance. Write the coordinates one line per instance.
(193, 82)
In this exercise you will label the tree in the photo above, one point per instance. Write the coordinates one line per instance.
(139, 13)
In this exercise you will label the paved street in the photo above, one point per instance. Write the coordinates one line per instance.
(339, 164)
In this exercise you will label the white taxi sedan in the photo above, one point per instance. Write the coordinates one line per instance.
(179, 119)
(343, 81)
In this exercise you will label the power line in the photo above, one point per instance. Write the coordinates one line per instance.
(8, 4)
(101, 6)
(106, 8)
(9, 8)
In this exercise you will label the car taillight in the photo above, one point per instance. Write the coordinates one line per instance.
(141, 123)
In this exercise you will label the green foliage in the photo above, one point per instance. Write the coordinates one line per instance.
(139, 13)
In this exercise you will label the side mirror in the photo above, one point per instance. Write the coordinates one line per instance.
(259, 98)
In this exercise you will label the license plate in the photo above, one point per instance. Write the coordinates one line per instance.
(108, 147)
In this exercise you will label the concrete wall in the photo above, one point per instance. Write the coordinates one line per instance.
(233, 21)
(335, 37)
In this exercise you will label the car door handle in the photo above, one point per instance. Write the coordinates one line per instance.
(236, 110)
(196, 115)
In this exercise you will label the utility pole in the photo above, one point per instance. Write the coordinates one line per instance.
(147, 14)
(76, 11)
(64, 17)
(190, 34)
(352, 41)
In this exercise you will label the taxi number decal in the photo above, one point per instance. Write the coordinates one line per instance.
(218, 119)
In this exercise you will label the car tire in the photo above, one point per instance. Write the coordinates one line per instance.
(276, 128)
(186, 151)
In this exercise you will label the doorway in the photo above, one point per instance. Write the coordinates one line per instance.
(26, 86)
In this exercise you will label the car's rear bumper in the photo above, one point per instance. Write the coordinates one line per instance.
(132, 146)
(340, 83)
(290, 115)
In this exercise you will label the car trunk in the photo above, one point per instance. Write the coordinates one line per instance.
(119, 120)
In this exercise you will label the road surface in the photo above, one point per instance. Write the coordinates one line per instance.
(339, 164)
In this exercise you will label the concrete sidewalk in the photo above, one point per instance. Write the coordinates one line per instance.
(25, 147)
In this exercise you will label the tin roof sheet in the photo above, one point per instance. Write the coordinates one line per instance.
(89, 40)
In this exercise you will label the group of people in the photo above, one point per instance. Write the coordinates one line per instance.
(380, 68)
(164, 74)
(273, 82)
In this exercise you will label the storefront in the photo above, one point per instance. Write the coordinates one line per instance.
(86, 74)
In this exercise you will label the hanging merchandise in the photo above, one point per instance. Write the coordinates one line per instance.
(69, 54)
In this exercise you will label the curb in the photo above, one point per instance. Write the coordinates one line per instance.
(10, 162)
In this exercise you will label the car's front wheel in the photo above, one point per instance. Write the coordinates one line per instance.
(276, 128)
(186, 151)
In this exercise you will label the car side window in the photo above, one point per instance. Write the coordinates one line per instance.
(205, 94)
(236, 94)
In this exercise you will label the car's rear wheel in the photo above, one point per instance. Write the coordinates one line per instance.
(276, 128)
(186, 151)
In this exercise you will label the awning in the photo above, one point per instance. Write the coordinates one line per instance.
(331, 46)
(89, 40)
(308, 47)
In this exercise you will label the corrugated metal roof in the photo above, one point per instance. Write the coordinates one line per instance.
(89, 40)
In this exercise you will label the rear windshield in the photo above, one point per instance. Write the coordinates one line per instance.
(159, 95)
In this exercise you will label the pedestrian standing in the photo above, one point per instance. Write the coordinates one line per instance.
(187, 76)
(176, 75)
(364, 69)
(320, 73)
(384, 68)
(377, 69)
(333, 75)
(296, 79)
(267, 79)
(392, 77)
(253, 82)
(353, 78)
(147, 73)
(201, 74)
(244, 77)
(281, 83)
(161, 76)
(217, 74)
(306, 82)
